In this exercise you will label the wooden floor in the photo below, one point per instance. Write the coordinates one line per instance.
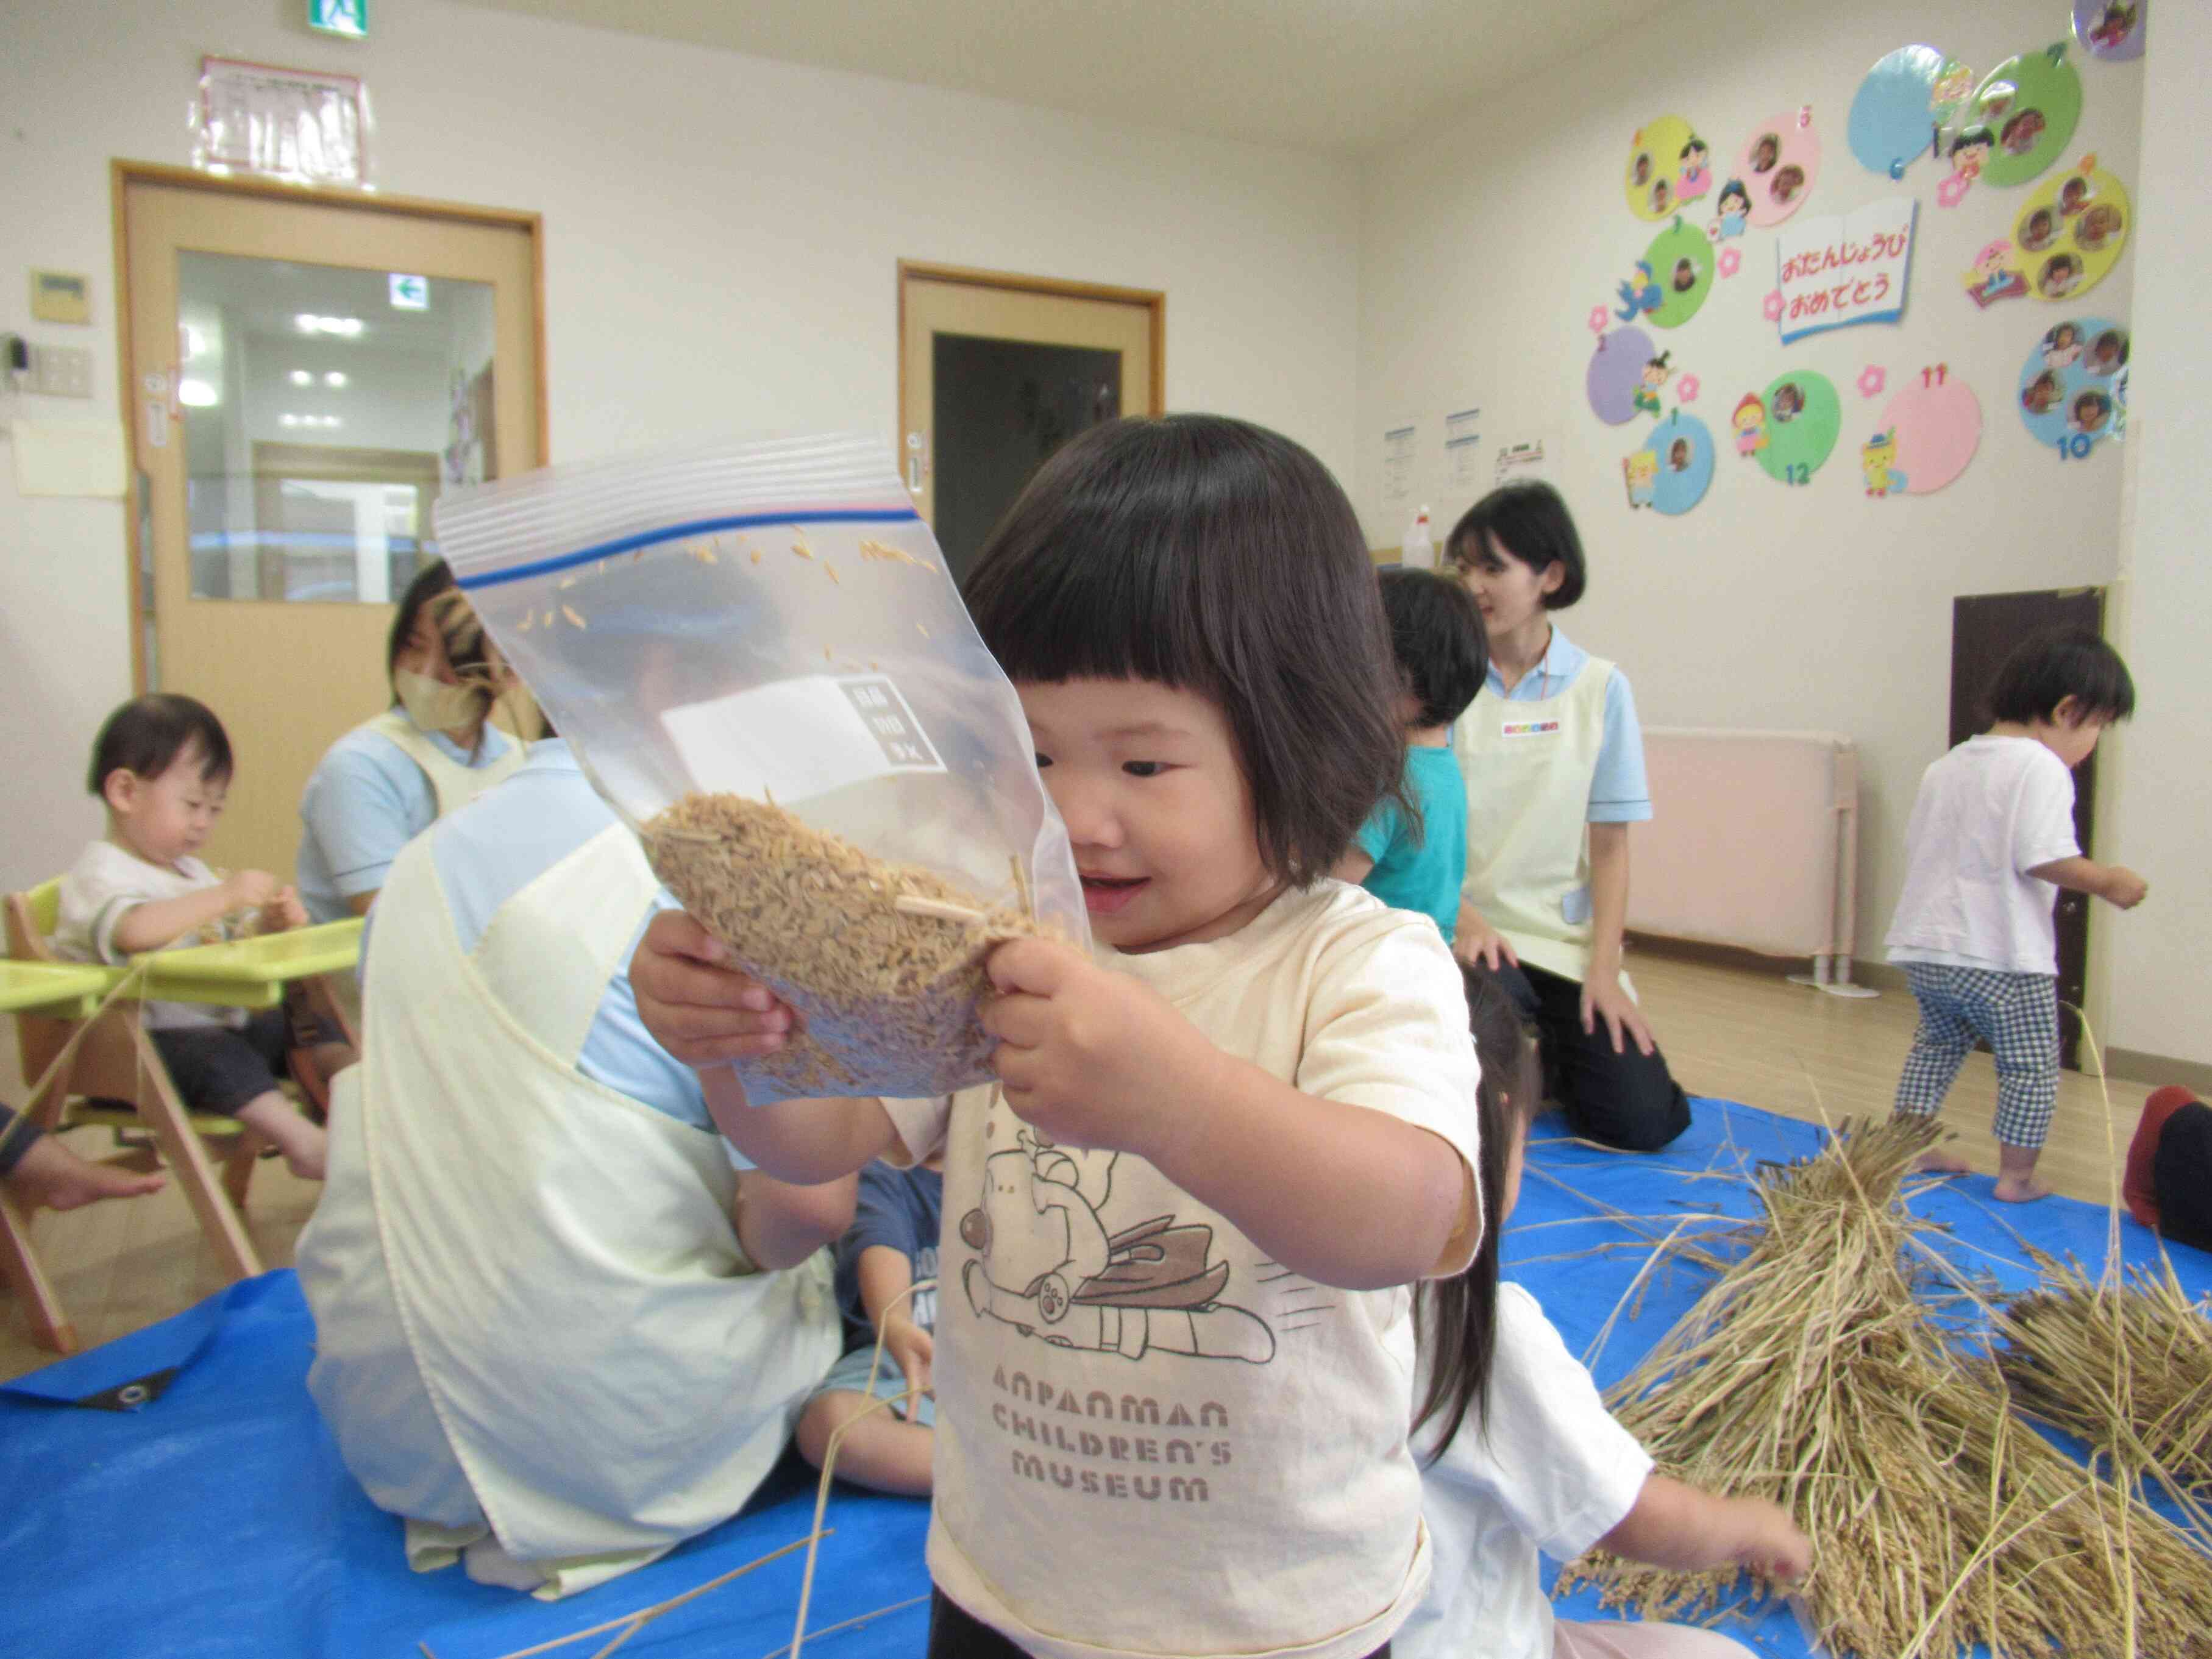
(1737, 1032)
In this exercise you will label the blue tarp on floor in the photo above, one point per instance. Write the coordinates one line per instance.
(216, 1519)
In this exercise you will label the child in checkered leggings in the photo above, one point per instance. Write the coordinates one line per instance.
(1990, 842)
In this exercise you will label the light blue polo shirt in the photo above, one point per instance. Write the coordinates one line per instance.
(367, 799)
(501, 842)
(1618, 791)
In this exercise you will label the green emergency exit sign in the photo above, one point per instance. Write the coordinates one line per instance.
(346, 17)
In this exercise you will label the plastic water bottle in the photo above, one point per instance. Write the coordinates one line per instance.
(1419, 552)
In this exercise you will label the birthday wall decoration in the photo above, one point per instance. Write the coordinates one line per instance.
(1902, 104)
(2025, 110)
(1671, 471)
(2072, 230)
(1680, 264)
(2111, 29)
(1790, 428)
(1617, 372)
(1776, 171)
(1668, 166)
(1928, 433)
(2072, 388)
(1834, 272)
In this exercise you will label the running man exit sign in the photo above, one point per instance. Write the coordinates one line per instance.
(346, 17)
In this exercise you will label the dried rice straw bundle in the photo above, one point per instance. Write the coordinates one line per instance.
(1811, 1373)
(883, 963)
(2124, 1363)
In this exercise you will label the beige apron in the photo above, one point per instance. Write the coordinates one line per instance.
(538, 1339)
(1528, 768)
(453, 784)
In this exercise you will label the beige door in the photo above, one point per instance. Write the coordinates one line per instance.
(305, 372)
(997, 371)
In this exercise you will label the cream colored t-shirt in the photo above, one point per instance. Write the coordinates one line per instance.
(1151, 1439)
(105, 884)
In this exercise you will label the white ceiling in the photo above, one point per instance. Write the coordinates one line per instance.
(1339, 76)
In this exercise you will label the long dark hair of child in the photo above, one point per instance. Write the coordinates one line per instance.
(1211, 556)
(1454, 1319)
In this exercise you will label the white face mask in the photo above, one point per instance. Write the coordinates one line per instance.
(434, 706)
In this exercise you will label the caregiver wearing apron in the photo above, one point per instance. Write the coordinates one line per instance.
(1553, 762)
(556, 1331)
(389, 778)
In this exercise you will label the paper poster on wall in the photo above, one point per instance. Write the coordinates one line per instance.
(1929, 432)
(1401, 445)
(1671, 471)
(1902, 104)
(1616, 374)
(2028, 106)
(2070, 390)
(2111, 29)
(1776, 171)
(1679, 267)
(1668, 164)
(1463, 448)
(1835, 271)
(1790, 427)
(1525, 460)
(2072, 231)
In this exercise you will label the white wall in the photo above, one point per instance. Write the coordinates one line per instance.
(722, 236)
(1485, 243)
(2163, 804)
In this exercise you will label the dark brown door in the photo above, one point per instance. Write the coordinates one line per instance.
(1985, 629)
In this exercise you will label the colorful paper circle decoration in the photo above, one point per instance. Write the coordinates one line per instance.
(1896, 111)
(1776, 169)
(1671, 471)
(1668, 164)
(2071, 394)
(2071, 231)
(1928, 434)
(1616, 372)
(1679, 262)
(1790, 428)
(2111, 29)
(2028, 107)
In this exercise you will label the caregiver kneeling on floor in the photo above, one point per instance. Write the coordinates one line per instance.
(556, 1331)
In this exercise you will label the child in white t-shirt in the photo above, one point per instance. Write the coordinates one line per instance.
(1175, 1328)
(161, 765)
(1990, 841)
(1521, 1454)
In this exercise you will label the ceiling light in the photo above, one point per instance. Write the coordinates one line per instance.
(287, 420)
(300, 377)
(345, 328)
(334, 378)
(195, 342)
(196, 394)
(307, 322)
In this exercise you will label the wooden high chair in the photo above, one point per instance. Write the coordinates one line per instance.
(116, 1061)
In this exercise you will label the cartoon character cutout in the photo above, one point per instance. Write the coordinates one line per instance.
(2091, 411)
(1994, 277)
(1642, 471)
(2099, 226)
(1655, 375)
(1695, 178)
(1639, 294)
(1734, 204)
(1970, 150)
(1877, 461)
(2061, 274)
(2041, 395)
(1046, 1264)
(2062, 345)
(1750, 423)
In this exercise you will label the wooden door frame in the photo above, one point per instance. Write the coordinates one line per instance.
(1153, 299)
(123, 173)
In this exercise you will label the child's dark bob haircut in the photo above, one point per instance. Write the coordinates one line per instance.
(147, 734)
(1438, 639)
(1529, 522)
(2046, 669)
(432, 579)
(1214, 556)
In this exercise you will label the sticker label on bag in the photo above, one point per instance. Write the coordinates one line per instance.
(797, 738)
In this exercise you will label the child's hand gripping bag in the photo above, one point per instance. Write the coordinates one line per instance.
(759, 656)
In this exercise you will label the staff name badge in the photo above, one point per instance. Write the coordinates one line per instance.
(1529, 729)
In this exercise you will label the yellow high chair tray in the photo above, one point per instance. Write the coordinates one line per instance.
(59, 990)
(250, 973)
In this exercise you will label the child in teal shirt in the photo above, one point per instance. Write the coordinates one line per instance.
(1443, 654)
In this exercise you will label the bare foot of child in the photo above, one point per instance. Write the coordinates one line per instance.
(1940, 1163)
(50, 1174)
(304, 1145)
(2021, 1190)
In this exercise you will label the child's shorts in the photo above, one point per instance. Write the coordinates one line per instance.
(850, 1376)
(218, 1069)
